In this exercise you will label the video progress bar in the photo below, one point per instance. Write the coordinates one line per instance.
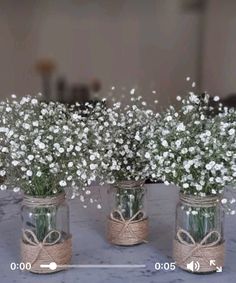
(54, 266)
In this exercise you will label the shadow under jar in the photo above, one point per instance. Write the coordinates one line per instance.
(45, 233)
(199, 239)
(128, 221)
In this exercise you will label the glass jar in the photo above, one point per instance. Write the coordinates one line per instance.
(128, 222)
(128, 198)
(199, 225)
(45, 222)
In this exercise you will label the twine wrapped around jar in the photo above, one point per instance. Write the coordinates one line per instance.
(35, 202)
(127, 232)
(206, 257)
(131, 231)
(44, 252)
(130, 184)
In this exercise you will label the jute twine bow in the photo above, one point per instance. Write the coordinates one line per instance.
(198, 247)
(126, 225)
(30, 238)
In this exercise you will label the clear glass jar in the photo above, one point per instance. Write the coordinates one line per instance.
(199, 217)
(128, 221)
(199, 233)
(45, 234)
(43, 215)
(128, 199)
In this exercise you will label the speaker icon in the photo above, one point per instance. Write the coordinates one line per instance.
(193, 266)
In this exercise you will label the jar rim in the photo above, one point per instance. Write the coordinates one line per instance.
(36, 201)
(129, 184)
(200, 201)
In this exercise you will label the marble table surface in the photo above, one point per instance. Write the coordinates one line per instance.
(90, 245)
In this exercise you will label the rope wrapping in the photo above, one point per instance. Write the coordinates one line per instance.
(35, 202)
(196, 201)
(184, 252)
(37, 253)
(129, 184)
(127, 232)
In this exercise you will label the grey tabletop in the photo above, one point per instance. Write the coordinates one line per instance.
(88, 227)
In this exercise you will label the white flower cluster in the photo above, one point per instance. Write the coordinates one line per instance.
(44, 147)
(197, 149)
(125, 145)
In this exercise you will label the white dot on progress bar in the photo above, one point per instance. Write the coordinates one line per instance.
(52, 266)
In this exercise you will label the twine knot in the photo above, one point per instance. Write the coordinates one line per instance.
(197, 246)
(29, 237)
(126, 223)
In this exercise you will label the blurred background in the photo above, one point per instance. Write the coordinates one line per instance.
(77, 50)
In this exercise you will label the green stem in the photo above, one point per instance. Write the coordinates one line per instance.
(201, 224)
(129, 201)
(45, 221)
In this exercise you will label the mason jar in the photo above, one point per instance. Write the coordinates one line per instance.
(128, 221)
(199, 234)
(46, 231)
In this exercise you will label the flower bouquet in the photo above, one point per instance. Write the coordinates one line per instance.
(198, 155)
(44, 148)
(125, 136)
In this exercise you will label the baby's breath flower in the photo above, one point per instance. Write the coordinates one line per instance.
(62, 183)
(198, 146)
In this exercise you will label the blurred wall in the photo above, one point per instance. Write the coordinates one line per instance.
(19, 30)
(219, 56)
(154, 44)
